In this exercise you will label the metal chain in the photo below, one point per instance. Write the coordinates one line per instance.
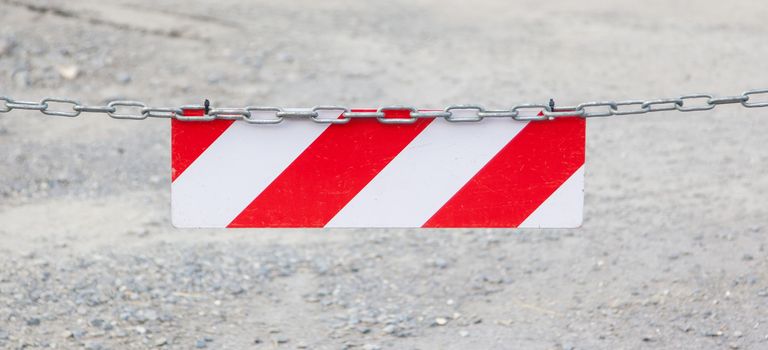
(455, 113)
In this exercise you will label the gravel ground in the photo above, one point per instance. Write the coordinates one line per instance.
(672, 253)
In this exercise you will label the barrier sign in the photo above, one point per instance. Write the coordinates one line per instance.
(365, 173)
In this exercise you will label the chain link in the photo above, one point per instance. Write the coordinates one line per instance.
(135, 110)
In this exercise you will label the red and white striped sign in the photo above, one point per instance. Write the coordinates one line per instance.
(432, 173)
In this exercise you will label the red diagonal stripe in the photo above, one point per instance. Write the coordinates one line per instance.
(329, 173)
(190, 139)
(519, 178)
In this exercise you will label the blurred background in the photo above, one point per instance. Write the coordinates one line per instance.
(672, 253)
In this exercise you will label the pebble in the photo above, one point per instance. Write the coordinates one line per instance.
(441, 321)
(285, 57)
(3, 335)
(150, 315)
(123, 78)
(463, 334)
(389, 329)
(78, 334)
(281, 340)
(7, 45)
(201, 344)
(68, 72)
(34, 321)
(141, 330)
(371, 347)
(215, 78)
(97, 322)
(493, 278)
(441, 263)
(94, 346)
(21, 78)
(161, 342)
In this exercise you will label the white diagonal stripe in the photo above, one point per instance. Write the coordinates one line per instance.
(235, 169)
(427, 173)
(564, 208)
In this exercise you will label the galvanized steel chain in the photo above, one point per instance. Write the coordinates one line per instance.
(455, 113)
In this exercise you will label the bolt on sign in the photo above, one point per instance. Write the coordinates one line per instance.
(365, 173)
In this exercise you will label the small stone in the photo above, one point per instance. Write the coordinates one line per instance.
(236, 290)
(123, 78)
(7, 45)
(78, 334)
(301, 345)
(285, 57)
(94, 346)
(150, 315)
(747, 257)
(494, 279)
(67, 335)
(200, 344)
(215, 78)
(371, 347)
(738, 334)
(34, 321)
(141, 330)
(3, 335)
(68, 72)
(647, 339)
(389, 329)
(257, 341)
(463, 334)
(713, 334)
(281, 340)
(161, 342)
(21, 78)
(441, 321)
(97, 322)
(441, 263)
